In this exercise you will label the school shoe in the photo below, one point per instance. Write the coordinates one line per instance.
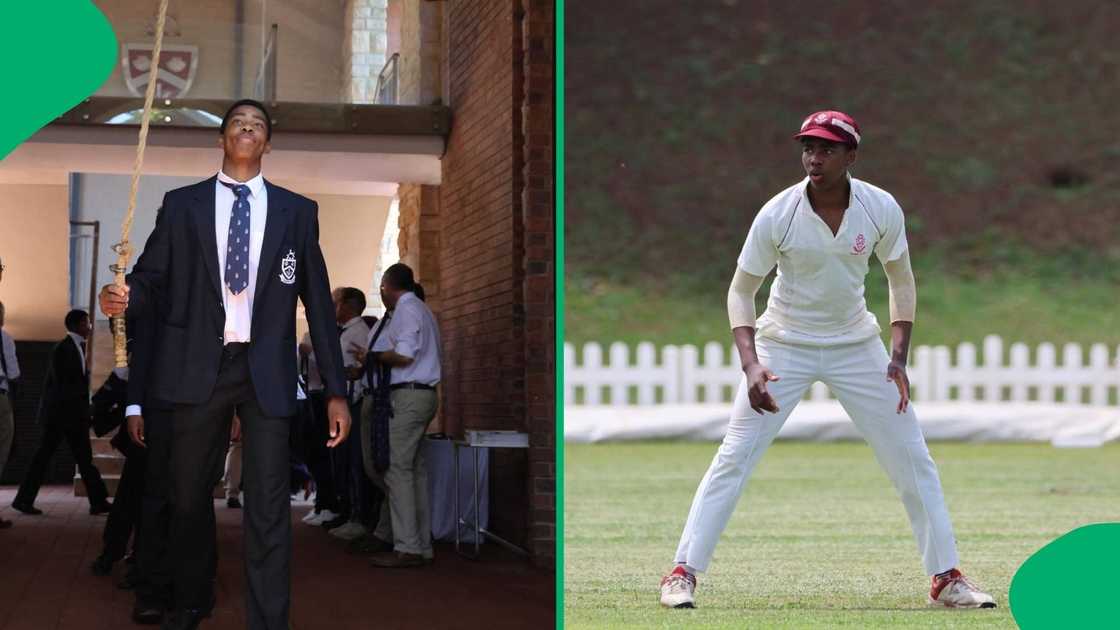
(956, 591)
(146, 613)
(310, 516)
(396, 560)
(187, 619)
(26, 508)
(102, 565)
(349, 531)
(101, 508)
(677, 589)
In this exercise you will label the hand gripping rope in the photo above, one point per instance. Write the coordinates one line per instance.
(123, 249)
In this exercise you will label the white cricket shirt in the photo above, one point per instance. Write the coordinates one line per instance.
(817, 297)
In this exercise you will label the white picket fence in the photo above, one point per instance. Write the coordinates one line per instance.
(682, 374)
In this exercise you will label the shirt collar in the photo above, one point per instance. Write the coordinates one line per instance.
(77, 338)
(351, 322)
(256, 185)
(805, 190)
(406, 296)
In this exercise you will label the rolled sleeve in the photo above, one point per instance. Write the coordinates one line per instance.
(407, 334)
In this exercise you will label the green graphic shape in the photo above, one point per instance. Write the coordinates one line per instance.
(1071, 582)
(54, 54)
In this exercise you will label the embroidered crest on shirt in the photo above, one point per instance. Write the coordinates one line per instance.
(288, 268)
(861, 244)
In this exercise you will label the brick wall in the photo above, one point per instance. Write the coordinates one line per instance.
(538, 268)
(495, 262)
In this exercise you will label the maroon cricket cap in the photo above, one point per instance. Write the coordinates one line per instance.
(831, 125)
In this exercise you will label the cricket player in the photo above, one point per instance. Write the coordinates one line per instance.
(821, 233)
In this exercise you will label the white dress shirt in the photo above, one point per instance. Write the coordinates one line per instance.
(354, 332)
(8, 347)
(239, 308)
(413, 333)
(81, 343)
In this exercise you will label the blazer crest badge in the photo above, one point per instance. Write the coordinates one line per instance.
(288, 268)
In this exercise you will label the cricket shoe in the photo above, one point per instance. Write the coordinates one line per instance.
(677, 589)
(954, 590)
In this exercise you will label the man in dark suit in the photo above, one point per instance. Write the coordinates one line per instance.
(226, 261)
(64, 415)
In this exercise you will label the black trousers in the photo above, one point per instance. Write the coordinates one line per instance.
(318, 455)
(76, 434)
(200, 435)
(153, 561)
(127, 509)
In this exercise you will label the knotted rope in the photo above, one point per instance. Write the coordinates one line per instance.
(124, 249)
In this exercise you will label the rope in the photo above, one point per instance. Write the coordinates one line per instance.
(124, 248)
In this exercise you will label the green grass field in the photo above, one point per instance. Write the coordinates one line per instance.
(819, 539)
(1056, 299)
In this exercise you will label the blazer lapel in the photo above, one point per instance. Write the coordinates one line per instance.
(276, 224)
(204, 225)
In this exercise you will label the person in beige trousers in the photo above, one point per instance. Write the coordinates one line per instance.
(409, 343)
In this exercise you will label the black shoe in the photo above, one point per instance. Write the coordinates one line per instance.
(147, 613)
(336, 522)
(233, 503)
(5, 524)
(102, 566)
(100, 508)
(186, 619)
(26, 508)
(130, 580)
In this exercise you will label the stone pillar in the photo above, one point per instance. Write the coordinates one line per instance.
(364, 44)
(419, 236)
(421, 50)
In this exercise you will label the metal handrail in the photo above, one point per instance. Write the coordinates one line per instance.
(268, 65)
(388, 82)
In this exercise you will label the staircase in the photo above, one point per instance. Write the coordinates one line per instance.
(109, 462)
(106, 459)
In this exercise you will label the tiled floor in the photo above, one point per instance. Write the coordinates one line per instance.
(46, 584)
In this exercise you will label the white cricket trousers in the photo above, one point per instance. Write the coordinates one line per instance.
(857, 375)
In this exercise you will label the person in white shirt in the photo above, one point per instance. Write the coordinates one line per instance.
(820, 233)
(410, 345)
(9, 374)
(356, 490)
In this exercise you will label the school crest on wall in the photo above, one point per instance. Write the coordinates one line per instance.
(177, 67)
